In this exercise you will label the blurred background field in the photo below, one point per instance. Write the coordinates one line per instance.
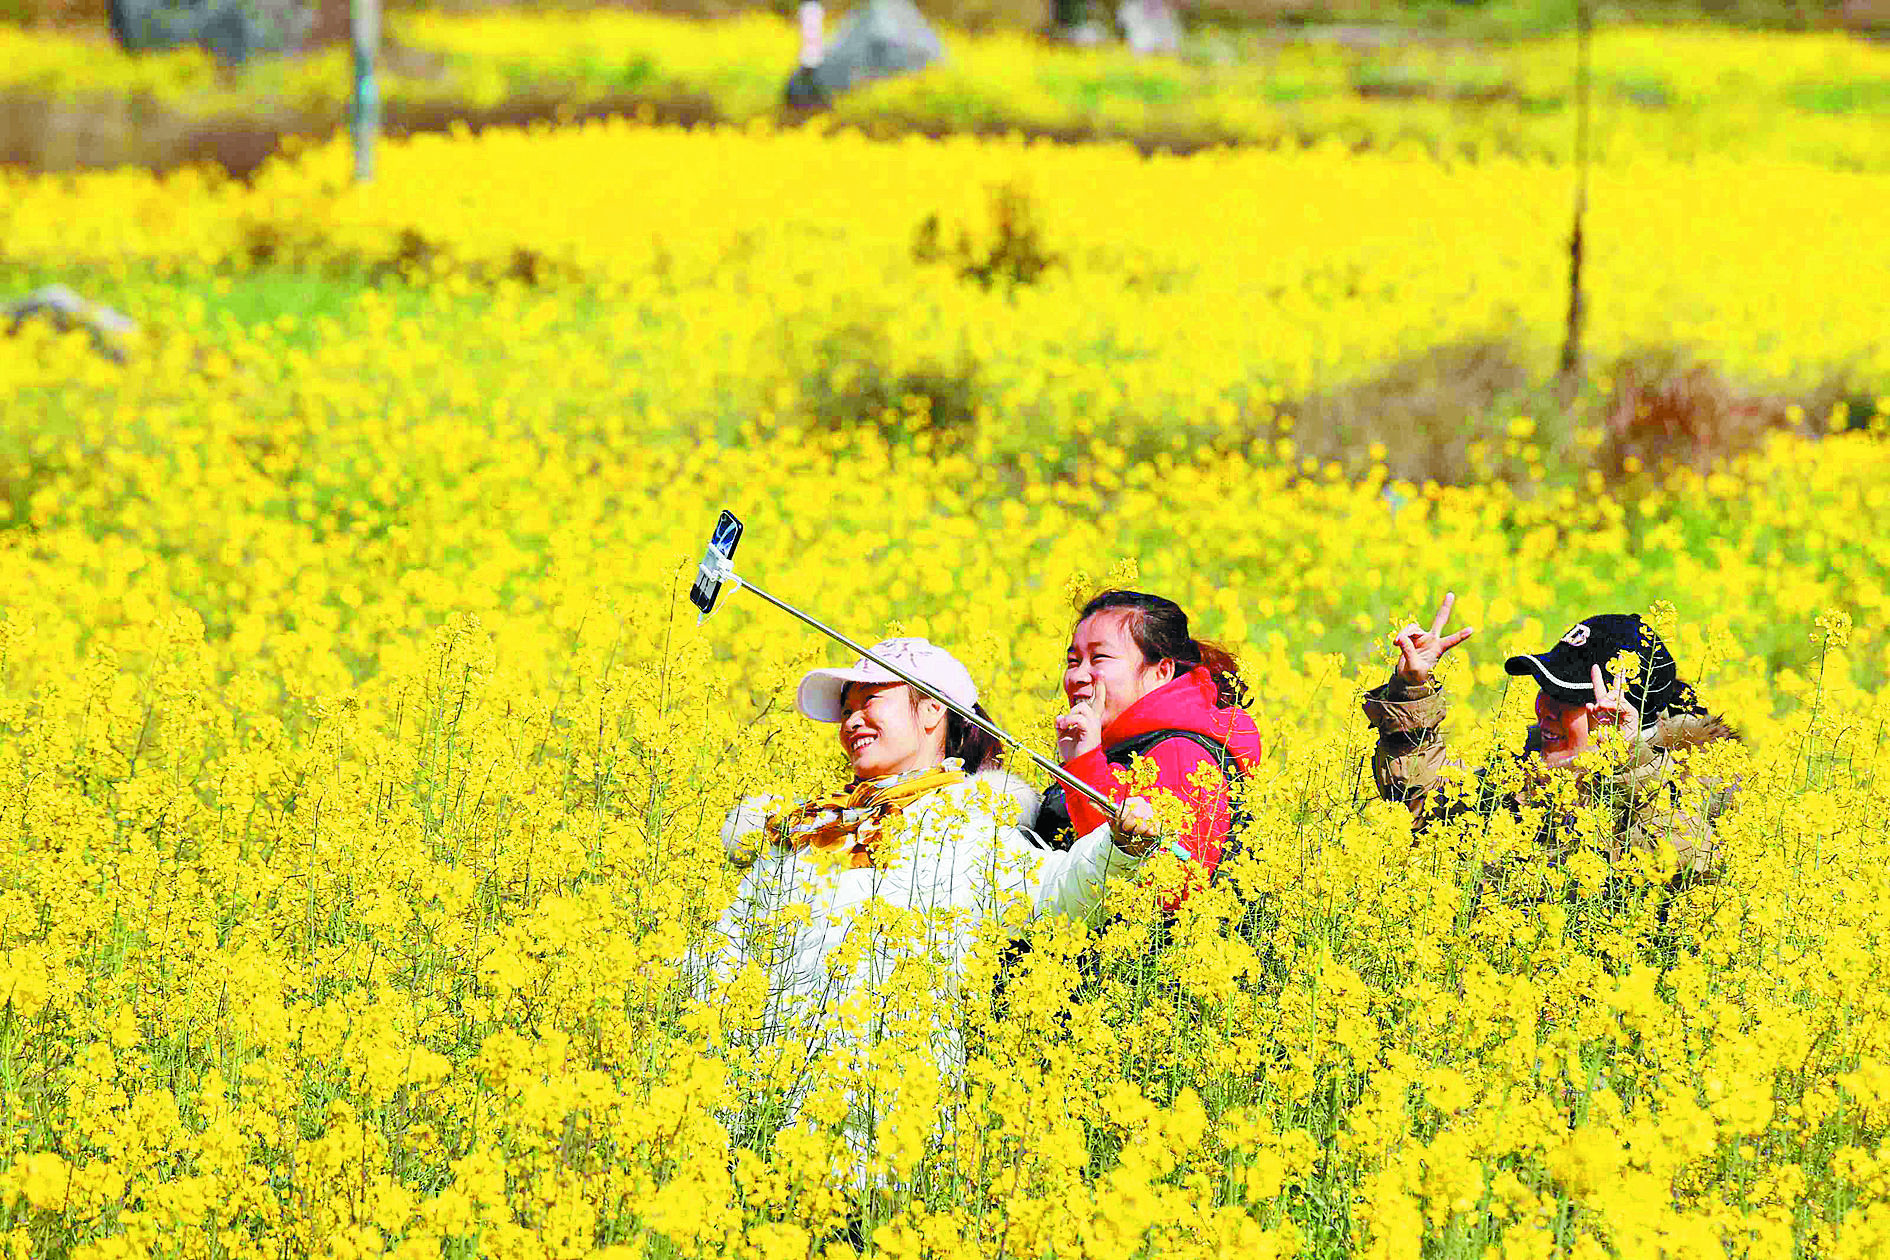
(1028, 299)
(1063, 319)
(69, 98)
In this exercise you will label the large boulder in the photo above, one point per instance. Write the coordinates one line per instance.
(231, 30)
(110, 330)
(882, 39)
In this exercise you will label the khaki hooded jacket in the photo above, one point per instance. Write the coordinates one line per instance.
(1660, 806)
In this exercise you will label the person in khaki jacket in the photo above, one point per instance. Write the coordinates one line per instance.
(1659, 806)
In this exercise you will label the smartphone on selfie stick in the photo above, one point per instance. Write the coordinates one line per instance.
(718, 570)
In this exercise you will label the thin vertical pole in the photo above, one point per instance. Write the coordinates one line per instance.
(1577, 312)
(365, 23)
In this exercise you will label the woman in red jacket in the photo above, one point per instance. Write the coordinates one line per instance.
(1140, 685)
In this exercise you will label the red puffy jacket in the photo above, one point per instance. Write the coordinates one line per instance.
(1189, 704)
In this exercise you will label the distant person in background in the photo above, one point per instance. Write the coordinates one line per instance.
(1070, 21)
(1140, 685)
(804, 87)
(1659, 807)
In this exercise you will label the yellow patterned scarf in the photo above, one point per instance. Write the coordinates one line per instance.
(853, 819)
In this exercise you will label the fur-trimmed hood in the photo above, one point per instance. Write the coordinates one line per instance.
(1005, 783)
(1668, 810)
(1692, 730)
(1676, 732)
(1653, 759)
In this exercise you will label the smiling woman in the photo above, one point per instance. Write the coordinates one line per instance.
(1141, 686)
(844, 892)
(887, 727)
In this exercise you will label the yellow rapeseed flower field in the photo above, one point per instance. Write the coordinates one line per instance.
(363, 763)
(755, 241)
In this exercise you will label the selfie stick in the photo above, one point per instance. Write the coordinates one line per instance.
(725, 570)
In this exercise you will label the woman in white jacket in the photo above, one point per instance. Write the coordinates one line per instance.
(878, 891)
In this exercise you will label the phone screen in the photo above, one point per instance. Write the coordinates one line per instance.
(708, 583)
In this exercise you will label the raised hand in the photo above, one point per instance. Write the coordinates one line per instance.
(1080, 729)
(1610, 707)
(1419, 649)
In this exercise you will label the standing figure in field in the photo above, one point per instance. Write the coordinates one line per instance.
(1140, 685)
(895, 871)
(1659, 806)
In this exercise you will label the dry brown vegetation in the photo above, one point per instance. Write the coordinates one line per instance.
(42, 134)
(1445, 415)
(1662, 408)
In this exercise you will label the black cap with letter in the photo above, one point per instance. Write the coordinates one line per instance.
(1565, 670)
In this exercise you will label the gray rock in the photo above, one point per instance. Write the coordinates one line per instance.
(66, 310)
(883, 39)
(1149, 26)
(232, 30)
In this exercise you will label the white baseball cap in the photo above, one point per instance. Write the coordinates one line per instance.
(818, 696)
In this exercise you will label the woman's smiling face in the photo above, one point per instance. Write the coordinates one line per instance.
(886, 728)
(1102, 648)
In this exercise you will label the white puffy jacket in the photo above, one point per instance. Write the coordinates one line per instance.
(954, 861)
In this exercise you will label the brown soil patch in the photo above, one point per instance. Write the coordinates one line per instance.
(41, 134)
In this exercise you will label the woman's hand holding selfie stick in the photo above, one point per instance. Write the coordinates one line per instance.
(1134, 829)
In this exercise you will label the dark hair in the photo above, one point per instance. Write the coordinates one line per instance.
(1160, 629)
(976, 747)
(1676, 696)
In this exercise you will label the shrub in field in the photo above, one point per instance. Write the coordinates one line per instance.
(1014, 254)
(1664, 410)
(1418, 418)
(846, 377)
(1466, 412)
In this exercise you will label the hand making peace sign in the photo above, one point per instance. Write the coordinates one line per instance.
(1419, 649)
(1611, 707)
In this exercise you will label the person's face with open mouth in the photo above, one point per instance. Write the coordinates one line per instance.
(1564, 729)
(887, 728)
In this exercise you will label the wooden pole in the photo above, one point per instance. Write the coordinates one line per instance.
(365, 24)
(1571, 365)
